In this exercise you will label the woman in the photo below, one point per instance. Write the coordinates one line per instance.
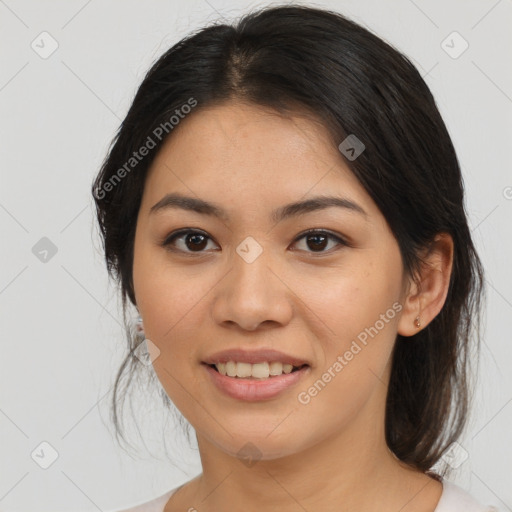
(284, 207)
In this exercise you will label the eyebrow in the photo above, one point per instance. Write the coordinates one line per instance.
(200, 206)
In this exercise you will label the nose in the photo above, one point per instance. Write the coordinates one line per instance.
(253, 294)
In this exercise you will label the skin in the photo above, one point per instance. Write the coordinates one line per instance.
(304, 301)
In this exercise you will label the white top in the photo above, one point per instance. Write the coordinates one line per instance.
(453, 499)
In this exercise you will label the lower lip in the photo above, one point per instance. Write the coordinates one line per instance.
(253, 390)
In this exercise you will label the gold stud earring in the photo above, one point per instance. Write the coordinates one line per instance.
(139, 326)
(417, 321)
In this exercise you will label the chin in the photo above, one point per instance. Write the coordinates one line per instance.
(256, 446)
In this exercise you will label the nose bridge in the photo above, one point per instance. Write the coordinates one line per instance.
(252, 294)
(251, 263)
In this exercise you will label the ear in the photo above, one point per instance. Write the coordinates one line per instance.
(427, 293)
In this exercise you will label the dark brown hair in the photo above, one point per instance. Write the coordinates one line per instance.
(303, 59)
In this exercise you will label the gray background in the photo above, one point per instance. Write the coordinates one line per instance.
(62, 339)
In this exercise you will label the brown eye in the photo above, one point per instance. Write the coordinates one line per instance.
(317, 240)
(190, 241)
(196, 241)
(193, 241)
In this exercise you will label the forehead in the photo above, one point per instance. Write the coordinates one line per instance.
(240, 152)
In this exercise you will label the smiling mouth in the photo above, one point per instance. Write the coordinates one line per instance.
(258, 371)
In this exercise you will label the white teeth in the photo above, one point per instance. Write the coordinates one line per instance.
(258, 370)
(231, 369)
(276, 368)
(287, 368)
(243, 369)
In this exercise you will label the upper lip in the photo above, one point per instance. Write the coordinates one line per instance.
(253, 356)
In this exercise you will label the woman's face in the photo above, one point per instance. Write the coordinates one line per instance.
(250, 280)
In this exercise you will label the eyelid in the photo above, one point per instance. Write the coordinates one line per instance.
(180, 232)
(321, 231)
(341, 240)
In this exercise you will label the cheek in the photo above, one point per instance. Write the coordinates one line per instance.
(355, 368)
(352, 298)
(361, 310)
(173, 306)
(164, 293)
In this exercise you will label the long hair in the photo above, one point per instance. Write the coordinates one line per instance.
(297, 59)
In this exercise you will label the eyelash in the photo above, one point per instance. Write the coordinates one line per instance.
(178, 234)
